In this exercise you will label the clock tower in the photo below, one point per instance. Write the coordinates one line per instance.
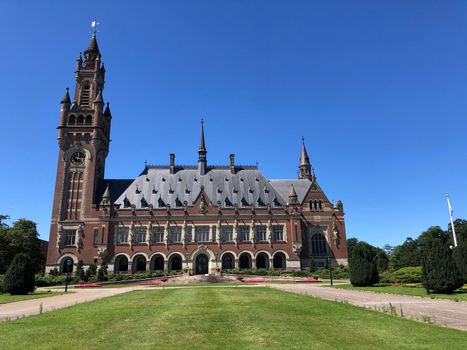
(83, 140)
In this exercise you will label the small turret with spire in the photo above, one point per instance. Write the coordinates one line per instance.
(293, 198)
(306, 171)
(202, 161)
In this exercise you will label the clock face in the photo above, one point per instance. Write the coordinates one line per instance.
(77, 158)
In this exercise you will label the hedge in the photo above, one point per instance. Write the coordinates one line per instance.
(411, 274)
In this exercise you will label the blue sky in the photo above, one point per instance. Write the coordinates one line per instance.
(377, 88)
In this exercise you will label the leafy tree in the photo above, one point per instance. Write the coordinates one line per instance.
(405, 255)
(313, 266)
(461, 231)
(382, 260)
(439, 269)
(460, 257)
(22, 237)
(388, 249)
(80, 271)
(102, 272)
(20, 277)
(362, 265)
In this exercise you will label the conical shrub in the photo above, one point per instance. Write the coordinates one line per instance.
(362, 265)
(19, 278)
(439, 269)
(460, 257)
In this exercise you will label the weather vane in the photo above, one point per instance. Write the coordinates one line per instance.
(94, 26)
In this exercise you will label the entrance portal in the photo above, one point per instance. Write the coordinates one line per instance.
(201, 264)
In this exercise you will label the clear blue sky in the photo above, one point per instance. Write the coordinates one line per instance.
(378, 89)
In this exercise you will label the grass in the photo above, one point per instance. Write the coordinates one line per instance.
(222, 318)
(7, 298)
(458, 295)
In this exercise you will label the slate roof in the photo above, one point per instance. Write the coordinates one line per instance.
(246, 187)
(301, 187)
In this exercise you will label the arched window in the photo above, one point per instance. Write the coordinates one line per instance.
(80, 120)
(139, 264)
(320, 204)
(262, 261)
(228, 262)
(175, 263)
(158, 263)
(278, 262)
(88, 120)
(318, 244)
(244, 261)
(72, 119)
(121, 264)
(67, 265)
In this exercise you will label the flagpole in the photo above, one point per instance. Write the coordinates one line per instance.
(452, 223)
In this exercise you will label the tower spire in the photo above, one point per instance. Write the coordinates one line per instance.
(305, 166)
(202, 152)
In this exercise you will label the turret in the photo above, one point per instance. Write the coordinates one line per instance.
(306, 171)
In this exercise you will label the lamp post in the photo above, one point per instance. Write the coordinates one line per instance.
(421, 248)
(68, 270)
(330, 267)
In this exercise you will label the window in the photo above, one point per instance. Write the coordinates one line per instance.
(88, 120)
(318, 244)
(175, 233)
(122, 234)
(243, 233)
(188, 231)
(139, 234)
(85, 95)
(157, 234)
(214, 235)
(226, 233)
(201, 233)
(277, 232)
(69, 237)
(71, 120)
(296, 232)
(96, 236)
(260, 232)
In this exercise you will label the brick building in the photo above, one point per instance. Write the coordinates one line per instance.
(199, 218)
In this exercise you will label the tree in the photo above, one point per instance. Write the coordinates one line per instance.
(461, 230)
(20, 277)
(80, 271)
(312, 265)
(405, 255)
(102, 272)
(382, 260)
(440, 273)
(460, 257)
(362, 265)
(351, 243)
(22, 237)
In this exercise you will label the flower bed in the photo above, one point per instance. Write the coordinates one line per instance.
(88, 285)
(253, 280)
(308, 280)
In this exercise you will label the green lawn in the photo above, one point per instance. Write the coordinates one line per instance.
(222, 318)
(458, 295)
(7, 298)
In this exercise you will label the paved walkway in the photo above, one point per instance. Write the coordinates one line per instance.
(11, 311)
(443, 312)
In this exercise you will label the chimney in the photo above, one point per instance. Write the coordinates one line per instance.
(172, 163)
(232, 163)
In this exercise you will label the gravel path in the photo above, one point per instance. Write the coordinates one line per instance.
(443, 312)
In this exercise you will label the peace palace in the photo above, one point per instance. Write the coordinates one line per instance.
(199, 219)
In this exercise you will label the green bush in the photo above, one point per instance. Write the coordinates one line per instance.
(54, 272)
(102, 272)
(19, 278)
(363, 270)
(50, 280)
(79, 272)
(460, 257)
(440, 273)
(1, 283)
(411, 274)
(300, 273)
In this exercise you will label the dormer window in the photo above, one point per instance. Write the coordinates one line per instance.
(260, 202)
(160, 203)
(178, 203)
(227, 202)
(126, 203)
(144, 203)
(244, 202)
(275, 202)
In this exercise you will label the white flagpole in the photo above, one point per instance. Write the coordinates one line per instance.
(452, 223)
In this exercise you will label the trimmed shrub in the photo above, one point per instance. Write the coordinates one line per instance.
(80, 271)
(313, 266)
(411, 274)
(102, 272)
(362, 265)
(19, 278)
(439, 269)
(54, 272)
(460, 257)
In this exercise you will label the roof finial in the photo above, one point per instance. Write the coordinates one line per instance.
(94, 27)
